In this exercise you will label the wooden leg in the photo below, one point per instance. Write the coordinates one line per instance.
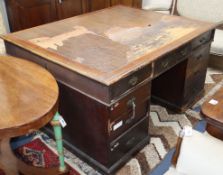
(58, 137)
(8, 162)
(31, 170)
(62, 170)
(12, 166)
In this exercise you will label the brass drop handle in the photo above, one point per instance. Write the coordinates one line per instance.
(202, 40)
(183, 52)
(131, 103)
(133, 81)
(165, 64)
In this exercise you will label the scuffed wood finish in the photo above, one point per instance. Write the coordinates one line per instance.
(109, 44)
(104, 63)
(28, 98)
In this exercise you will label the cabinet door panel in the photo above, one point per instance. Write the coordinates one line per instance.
(137, 3)
(93, 5)
(69, 8)
(24, 14)
(131, 3)
(115, 2)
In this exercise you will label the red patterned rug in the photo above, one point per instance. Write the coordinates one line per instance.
(36, 153)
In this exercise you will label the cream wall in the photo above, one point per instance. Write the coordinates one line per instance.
(2, 31)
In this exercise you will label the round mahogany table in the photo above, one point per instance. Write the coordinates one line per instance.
(212, 111)
(28, 101)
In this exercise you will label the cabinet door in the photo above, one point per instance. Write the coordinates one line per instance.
(93, 5)
(24, 14)
(69, 8)
(131, 3)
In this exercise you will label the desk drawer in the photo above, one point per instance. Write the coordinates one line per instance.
(128, 110)
(128, 140)
(170, 60)
(198, 60)
(194, 84)
(128, 119)
(127, 103)
(130, 81)
(206, 37)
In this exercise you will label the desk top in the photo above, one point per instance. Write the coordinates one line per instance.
(107, 45)
(28, 97)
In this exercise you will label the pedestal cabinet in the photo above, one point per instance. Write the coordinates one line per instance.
(181, 86)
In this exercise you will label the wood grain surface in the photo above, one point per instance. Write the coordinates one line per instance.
(214, 112)
(28, 99)
(108, 44)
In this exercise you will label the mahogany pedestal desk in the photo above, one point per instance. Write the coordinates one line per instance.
(105, 63)
(28, 101)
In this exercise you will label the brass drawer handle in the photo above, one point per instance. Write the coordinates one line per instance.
(165, 64)
(131, 101)
(202, 40)
(133, 105)
(183, 52)
(133, 81)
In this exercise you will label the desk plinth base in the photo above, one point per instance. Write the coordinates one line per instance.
(141, 138)
(100, 167)
(175, 107)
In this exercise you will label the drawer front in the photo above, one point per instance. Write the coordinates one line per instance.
(204, 38)
(125, 121)
(22, 53)
(130, 101)
(198, 60)
(78, 82)
(130, 82)
(168, 61)
(194, 84)
(129, 140)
